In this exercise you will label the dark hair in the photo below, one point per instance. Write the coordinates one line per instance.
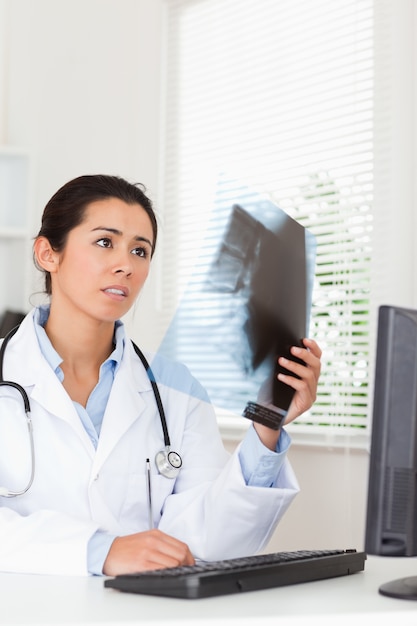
(65, 210)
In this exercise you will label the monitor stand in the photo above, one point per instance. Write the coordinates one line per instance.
(402, 588)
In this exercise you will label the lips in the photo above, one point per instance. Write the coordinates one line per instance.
(117, 291)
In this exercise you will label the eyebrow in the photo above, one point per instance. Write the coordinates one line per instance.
(115, 231)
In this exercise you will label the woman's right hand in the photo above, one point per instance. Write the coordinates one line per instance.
(148, 550)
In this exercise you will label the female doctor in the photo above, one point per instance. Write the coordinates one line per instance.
(102, 493)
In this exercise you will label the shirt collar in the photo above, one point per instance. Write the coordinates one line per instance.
(40, 317)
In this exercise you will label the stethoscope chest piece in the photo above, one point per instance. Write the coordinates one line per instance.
(168, 463)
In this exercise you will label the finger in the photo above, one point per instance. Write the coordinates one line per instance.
(312, 346)
(162, 560)
(306, 386)
(299, 369)
(168, 550)
(308, 357)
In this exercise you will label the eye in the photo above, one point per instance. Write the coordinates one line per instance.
(141, 251)
(104, 242)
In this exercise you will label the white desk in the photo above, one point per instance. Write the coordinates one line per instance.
(71, 600)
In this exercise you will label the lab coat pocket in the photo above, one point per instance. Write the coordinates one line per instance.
(142, 508)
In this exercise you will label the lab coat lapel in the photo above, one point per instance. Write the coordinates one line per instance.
(124, 407)
(49, 393)
(27, 366)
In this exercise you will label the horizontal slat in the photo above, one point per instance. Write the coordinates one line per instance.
(281, 104)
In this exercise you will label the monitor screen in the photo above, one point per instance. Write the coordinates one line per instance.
(391, 521)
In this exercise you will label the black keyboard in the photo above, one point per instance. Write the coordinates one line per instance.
(261, 571)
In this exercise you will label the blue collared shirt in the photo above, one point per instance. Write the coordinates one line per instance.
(92, 415)
(260, 466)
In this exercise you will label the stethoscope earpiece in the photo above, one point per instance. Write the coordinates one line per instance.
(168, 463)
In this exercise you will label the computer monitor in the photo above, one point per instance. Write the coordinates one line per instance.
(391, 520)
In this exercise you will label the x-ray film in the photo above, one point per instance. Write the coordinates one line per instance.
(247, 304)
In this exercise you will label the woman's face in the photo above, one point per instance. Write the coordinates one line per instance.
(105, 261)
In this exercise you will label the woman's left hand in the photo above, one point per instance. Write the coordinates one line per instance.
(305, 387)
(308, 377)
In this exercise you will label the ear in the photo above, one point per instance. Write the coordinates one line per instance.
(45, 257)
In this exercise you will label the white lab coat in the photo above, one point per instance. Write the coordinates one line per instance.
(78, 489)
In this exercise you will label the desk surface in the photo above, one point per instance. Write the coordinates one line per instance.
(68, 601)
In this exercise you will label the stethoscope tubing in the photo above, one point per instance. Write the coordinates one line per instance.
(157, 395)
(162, 459)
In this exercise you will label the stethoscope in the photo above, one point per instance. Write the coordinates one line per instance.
(167, 461)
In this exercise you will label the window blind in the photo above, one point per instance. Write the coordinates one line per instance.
(274, 99)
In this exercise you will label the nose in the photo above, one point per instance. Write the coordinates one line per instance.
(123, 264)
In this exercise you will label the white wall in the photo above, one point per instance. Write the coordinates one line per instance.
(80, 85)
(330, 509)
